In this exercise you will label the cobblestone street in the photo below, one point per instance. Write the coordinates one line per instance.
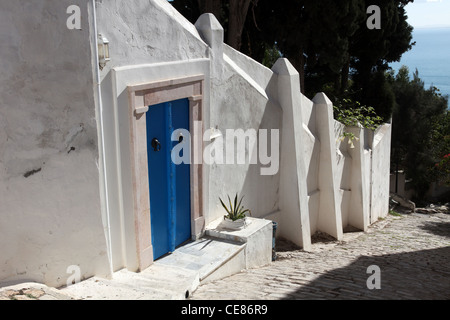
(411, 250)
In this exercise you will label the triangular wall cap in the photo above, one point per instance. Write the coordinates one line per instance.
(284, 67)
(209, 28)
(321, 98)
(208, 20)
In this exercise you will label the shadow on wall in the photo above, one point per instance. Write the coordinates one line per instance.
(262, 191)
(422, 275)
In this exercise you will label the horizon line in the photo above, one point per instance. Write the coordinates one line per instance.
(437, 26)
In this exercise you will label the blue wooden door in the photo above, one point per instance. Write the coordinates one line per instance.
(170, 206)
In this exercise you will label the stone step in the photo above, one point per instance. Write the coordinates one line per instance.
(204, 256)
(114, 289)
(174, 276)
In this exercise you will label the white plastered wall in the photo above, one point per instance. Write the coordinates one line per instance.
(50, 198)
(381, 151)
(149, 41)
(52, 128)
(224, 108)
(122, 216)
(241, 101)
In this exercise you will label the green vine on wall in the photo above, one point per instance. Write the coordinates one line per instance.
(353, 114)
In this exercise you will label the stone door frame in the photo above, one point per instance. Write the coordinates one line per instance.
(140, 98)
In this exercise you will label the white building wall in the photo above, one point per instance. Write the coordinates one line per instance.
(149, 41)
(50, 199)
(312, 154)
(381, 151)
(74, 207)
(143, 50)
(240, 100)
(344, 171)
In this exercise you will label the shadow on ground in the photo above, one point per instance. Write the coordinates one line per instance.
(437, 228)
(418, 275)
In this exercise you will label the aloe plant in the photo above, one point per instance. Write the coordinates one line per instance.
(237, 211)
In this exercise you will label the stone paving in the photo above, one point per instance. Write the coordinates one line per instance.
(411, 250)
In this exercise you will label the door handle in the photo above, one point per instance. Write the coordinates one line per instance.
(156, 145)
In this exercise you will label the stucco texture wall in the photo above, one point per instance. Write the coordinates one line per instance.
(240, 100)
(49, 177)
(151, 41)
(318, 186)
(56, 208)
(381, 152)
(145, 32)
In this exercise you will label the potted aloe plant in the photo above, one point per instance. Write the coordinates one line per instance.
(236, 217)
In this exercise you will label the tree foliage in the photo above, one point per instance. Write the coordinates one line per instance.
(334, 51)
(353, 114)
(313, 35)
(327, 41)
(440, 136)
(232, 14)
(373, 50)
(420, 135)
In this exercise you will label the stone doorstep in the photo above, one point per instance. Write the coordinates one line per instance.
(220, 253)
(125, 285)
(172, 277)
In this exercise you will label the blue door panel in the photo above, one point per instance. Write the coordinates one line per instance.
(169, 183)
(180, 120)
(157, 161)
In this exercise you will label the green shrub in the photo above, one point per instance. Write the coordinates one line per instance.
(235, 212)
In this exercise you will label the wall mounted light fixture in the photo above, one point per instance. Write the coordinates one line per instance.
(103, 51)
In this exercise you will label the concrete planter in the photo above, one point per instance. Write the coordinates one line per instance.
(234, 225)
(256, 235)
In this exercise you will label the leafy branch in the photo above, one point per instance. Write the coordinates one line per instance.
(352, 114)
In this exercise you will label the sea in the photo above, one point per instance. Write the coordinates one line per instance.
(430, 56)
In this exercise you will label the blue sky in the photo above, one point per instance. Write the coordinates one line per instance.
(429, 13)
